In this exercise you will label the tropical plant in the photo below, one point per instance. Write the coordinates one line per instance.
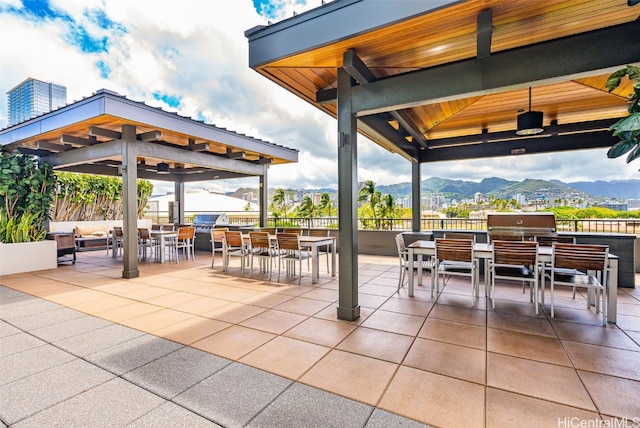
(371, 197)
(24, 229)
(628, 128)
(279, 203)
(327, 207)
(26, 195)
(91, 197)
(307, 209)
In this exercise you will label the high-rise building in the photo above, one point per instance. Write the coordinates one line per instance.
(32, 98)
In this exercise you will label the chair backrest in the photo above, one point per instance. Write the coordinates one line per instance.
(318, 232)
(217, 234)
(515, 252)
(288, 241)
(259, 240)
(400, 245)
(156, 226)
(167, 227)
(580, 256)
(233, 238)
(458, 250)
(460, 235)
(547, 241)
(144, 233)
(117, 231)
(186, 232)
(297, 231)
(269, 230)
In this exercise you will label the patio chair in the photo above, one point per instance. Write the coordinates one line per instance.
(515, 261)
(217, 236)
(146, 241)
(269, 230)
(295, 230)
(548, 241)
(405, 264)
(290, 253)
(455, 257)
(117, 241)
(592, 259)
(460, 235)
(185, 240)
(233, 245)
(260, 246)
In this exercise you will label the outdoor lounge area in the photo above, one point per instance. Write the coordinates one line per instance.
(188, 345)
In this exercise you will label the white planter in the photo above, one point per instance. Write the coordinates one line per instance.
(28, 257)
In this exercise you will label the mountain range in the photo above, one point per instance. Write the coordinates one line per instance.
(619, 190)
(530, 188)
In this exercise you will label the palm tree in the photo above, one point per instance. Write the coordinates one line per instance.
(369, 194)
(326, 205)
(279, 203)
(307, 209)
(389, 209)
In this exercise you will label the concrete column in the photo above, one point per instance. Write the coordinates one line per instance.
(348, 308)
(130, 202)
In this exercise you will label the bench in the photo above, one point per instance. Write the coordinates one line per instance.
(94, 237)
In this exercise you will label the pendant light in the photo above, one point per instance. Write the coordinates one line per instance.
(530, 123)
(162, 168)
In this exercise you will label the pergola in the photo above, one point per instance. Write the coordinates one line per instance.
(108, 134)
(443, 80)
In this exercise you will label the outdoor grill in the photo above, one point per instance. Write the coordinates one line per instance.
(527, 225)
(205, 222)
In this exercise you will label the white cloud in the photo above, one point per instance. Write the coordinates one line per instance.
(196, 50)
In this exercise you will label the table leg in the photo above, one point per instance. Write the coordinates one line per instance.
(333, 259)
(612, 285)
(411, 273)
(314, 264)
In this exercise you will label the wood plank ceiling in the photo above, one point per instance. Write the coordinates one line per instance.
(449, 35)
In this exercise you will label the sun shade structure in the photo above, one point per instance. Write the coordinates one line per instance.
(108, 134)
(444, 80)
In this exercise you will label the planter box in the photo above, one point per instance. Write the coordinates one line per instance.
(28, 257)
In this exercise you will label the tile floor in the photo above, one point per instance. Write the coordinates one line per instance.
(442, 363)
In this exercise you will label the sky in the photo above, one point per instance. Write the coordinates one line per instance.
(191, 57)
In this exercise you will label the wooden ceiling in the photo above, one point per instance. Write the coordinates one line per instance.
(450, 35)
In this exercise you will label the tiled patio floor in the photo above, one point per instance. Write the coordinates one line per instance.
(249, 352)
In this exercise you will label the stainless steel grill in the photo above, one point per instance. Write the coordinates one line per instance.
(205, 222)
(524, 225)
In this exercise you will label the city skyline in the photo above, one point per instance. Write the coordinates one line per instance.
(193, 60)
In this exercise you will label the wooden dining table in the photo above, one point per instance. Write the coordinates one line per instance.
(485, 251)
(313, 243)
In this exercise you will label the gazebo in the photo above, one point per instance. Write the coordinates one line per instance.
(109, 134)
(444, 80)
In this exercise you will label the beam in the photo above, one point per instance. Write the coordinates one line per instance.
(78, 141)
(327, 96)
(385, 136)
(52, 147)
(111, 149)
(409, 125)
(180, 155)
(582, 55)
(356, 68)
(149, 136)
(236, 155)
(532, 145)
(106, 133)
(484, 33)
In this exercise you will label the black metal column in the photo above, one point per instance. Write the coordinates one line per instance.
(348, 308)
(263, 195)
(416, 208)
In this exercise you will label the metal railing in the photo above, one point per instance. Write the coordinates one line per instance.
(627, 226)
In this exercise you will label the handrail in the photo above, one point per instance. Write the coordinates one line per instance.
(625, 226)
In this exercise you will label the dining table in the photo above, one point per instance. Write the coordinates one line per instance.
(163, 236)
(484, 251)
(313, 243)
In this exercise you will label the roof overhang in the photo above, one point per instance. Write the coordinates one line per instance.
(86, 137)
(442, 80)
